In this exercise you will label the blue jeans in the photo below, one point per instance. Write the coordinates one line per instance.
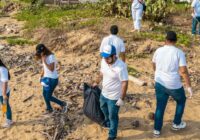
(162, 95)
(48, 93)
(110, 111)
(9, 111)
(195, 21)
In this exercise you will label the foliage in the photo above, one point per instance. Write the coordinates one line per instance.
(156, 9)
(115, 7)
(18, 41)
(52, 17)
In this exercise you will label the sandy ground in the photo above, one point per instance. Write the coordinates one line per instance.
(29, 123)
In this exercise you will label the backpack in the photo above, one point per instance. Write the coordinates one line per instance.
(91, 105)
(144, 5)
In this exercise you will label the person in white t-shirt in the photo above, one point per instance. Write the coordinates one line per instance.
(5, 93)
(170, 65)
(196, 16)
(115, 83)
(137, 12)
(49, 77)
(116, 41)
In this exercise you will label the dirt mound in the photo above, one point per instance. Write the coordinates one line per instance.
(10, 7)
(79, 41)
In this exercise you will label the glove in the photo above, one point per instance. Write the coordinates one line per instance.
(120, 102)
(189, 89)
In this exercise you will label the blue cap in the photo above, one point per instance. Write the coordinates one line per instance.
(108, 50)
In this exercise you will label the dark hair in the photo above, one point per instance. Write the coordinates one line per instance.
(171, 36)
(3, 65)
(41, 48)
(114, 29)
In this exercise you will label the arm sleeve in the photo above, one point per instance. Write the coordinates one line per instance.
(4, 75)
(102, 44)
(51, 59)
(154, 57)
(123, 49)
(182, 60)
(193, 3)
(123, 75)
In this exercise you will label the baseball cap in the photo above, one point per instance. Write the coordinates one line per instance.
(108, 50)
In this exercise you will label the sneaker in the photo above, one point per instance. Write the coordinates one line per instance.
(182, 125)
(112, 138)
(47, 113)
(156, 133)
(7, 124)
(65, 106)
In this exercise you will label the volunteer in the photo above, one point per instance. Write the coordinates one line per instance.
(49, 77)
(169, 64)
(115, 83)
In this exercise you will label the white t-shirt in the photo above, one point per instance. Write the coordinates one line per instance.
(196, 6)
(136, 4)
(3, 78)
(47, 73)
(168, 59)
(115, 41)
(113, 75)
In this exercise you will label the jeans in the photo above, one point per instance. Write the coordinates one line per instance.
(162, 95)
(110, 111)
(9, 111)
(48, 93)
(195, 21)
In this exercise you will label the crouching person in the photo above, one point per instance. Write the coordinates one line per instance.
(114, 87)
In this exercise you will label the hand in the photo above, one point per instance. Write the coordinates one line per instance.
(189, 89)
(120, 102)
(43, 57)
(5, 97)
(94, 84)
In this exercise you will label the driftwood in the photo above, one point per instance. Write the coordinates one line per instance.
(137, 81)
(60, 128)
(29, 98)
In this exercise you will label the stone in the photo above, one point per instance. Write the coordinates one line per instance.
(2, 47)
(135, 124)
(151, 116)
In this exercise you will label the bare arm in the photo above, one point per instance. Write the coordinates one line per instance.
(123, 56)
(124, 89)
(42, 73)
(184, 73)
(98, 78)
(154, 66)
(4, 89)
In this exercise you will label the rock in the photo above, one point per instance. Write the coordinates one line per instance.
(151, 116)
(2, 47)
(135, 124)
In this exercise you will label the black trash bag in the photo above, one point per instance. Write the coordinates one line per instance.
(91, 106)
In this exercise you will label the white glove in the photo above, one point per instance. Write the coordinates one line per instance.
(189, 89)
(120, 102)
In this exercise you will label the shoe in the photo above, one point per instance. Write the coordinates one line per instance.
(65, 107)
(47, 113)
(106, 127)
(156, 133)
(7, 124)
(112, 138)
(182, 125)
